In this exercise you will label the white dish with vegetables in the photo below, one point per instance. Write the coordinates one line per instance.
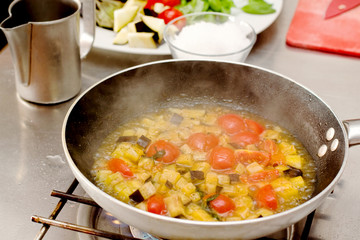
(145, 43)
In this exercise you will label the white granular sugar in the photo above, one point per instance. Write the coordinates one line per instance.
(211, 38)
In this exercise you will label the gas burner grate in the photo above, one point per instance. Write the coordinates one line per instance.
(68, 195)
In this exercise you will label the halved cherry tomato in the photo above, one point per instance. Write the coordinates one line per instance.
(156, 204)
(231, 123)
(222, 204)
(266, 197)
(163, 151)
(268, 145)
(253, 126)
(222, 158)
(171, 3)
(170, 14)
(202, 141)
(119, 165)
(277, 159)
(242, 139)
(246, 157)
(264, 176)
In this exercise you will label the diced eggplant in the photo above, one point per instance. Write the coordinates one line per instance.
(169, 185)
(141, 40)
(143, 141)
(197, 175)
(176, 119)
(142, 27)
(131, 139)
(136, 196)
(234, 178)
(150, 12)
(293, 172)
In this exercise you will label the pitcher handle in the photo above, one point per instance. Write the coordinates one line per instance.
(88, 35)
(353, 131)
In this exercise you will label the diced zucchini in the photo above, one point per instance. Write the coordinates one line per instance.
(271, 134)
(185, 160)
(147, 190)
(263, 212)
(199, 156)
(294, 161)
(128, 151)
(284, 188)
(174, 205)
(240, 168)
(146, 163)
(141, 206)
(169, 175)
(282, 168)
(195, 212)
(254, 167)
(201, 166)
(297, 182)
(181, 183)
(102, 175)
(287, 148)
(195, 197)
(223, 179)
(211, 181)
(188, 189)
(185, 149)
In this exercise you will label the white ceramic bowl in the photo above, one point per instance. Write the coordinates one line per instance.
(209, 35)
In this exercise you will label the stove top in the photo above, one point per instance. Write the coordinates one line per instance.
(94, 223)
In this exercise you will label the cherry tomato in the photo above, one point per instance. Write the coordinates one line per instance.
(246, 157)
(222, 158)
(171, 3)
(222, 204)
(264, 176)
(156, 204)
(170, 14)
(268, 145)
(150, 4)
(119, 165)
(277, 159)
(231, 123)
(242, 139)
(254, 126)
(163, 151)
(266, 197)
(202, 141)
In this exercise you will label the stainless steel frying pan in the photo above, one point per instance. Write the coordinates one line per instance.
(130, 93)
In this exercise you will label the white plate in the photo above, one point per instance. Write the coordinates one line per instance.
(104, 37)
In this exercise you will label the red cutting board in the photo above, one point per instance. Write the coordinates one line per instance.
(309, 29)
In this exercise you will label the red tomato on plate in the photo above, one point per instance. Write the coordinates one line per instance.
(222, 204)
(119, 165)
(156, 204)
(222, 158)
(170, 14)
(202, 141)
(163, 151)
(231, 123)
(266, 197)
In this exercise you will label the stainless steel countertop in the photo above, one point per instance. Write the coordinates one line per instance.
(33, 162)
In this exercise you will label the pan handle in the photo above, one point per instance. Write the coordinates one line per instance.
(353, 131)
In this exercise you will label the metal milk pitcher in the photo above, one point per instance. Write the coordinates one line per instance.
(47, 47)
